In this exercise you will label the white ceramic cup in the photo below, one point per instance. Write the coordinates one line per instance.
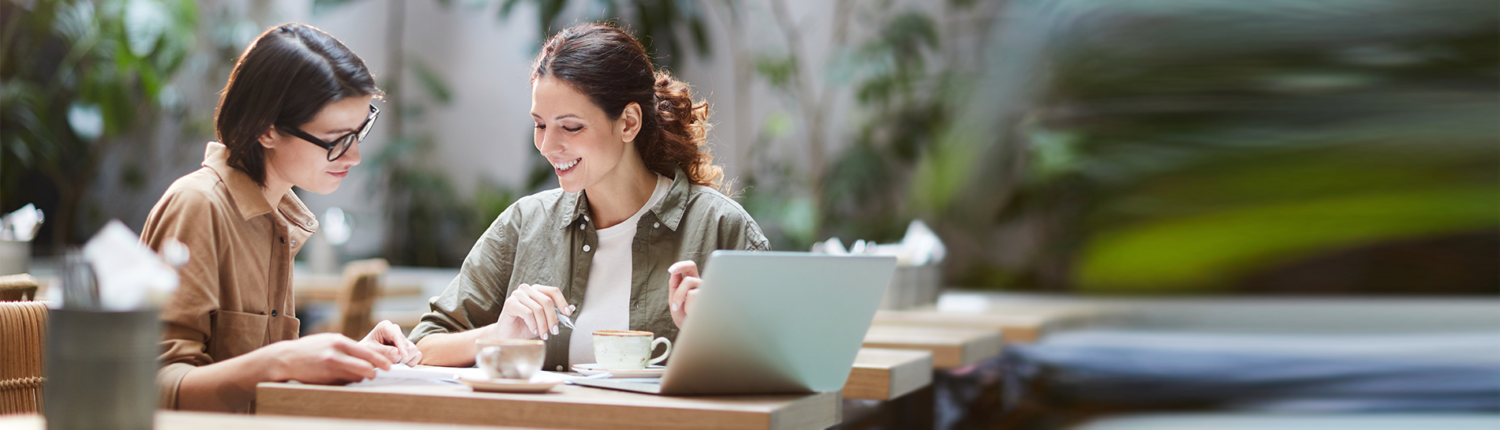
(510, 358)
(627, 350)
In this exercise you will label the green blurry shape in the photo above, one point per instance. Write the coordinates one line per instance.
(145, 21)
(1196, 253)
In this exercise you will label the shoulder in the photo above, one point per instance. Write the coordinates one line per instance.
(705, 201)
(530, 213)
(733, 225)
(196, 193)
(539, 207)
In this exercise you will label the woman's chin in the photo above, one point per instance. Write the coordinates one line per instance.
(323, 189)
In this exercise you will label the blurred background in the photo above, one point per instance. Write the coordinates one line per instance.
(1066, 146)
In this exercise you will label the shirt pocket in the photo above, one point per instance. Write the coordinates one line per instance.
(236, 333)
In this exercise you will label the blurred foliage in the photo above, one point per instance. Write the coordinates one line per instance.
(77, 77)
(1189, 146)
(903, 80)
(668, 28)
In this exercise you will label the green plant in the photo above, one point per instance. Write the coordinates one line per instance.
(77, 77)
(1224, 140)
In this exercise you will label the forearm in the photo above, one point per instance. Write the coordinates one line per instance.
(450, 349)
(226, 386)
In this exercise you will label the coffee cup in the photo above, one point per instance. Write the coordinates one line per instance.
(627, 349)
(510, 358)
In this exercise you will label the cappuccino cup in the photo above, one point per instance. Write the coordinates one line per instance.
(627, 349)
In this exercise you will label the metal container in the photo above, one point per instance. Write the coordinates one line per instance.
(101, 369)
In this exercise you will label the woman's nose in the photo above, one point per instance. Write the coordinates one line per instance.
(547, 144)
(352, 156)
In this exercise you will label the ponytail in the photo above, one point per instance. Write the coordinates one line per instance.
(681, 139)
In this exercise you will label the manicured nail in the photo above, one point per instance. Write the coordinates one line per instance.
(674, 307)
(554, 329)
(544, 335)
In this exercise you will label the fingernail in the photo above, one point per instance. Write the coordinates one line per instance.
(674, 307)
(572, 308)
(554, 329)
(544, 335)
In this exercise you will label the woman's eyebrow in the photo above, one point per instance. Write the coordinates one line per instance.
(568, 115)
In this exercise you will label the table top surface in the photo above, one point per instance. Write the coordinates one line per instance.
(886, 374)
(565, 406)
(174, 420)
(951, 347)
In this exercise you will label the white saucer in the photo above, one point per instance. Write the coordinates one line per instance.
(508, 385)
(591, 369)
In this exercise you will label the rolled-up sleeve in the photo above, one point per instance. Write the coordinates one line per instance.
(186, 328)
(475, 297)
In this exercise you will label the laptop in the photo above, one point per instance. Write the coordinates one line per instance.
(770, 322)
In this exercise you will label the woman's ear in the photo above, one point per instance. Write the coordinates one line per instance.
(629, 124)
(268, 139)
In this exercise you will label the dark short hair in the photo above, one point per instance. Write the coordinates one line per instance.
(612, 68)
(286, 76)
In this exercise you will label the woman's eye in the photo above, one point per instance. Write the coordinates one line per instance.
(541, 127)
(573, 130)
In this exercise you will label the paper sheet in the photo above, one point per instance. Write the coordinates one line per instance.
(401, 374)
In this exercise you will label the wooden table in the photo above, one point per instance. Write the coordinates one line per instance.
(951, 347)
(1018, 318)
(886, 374)
(567, 406)
(397, 282)
(173, 420)
(313, 287)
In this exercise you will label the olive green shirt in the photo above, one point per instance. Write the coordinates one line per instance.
(547, 239)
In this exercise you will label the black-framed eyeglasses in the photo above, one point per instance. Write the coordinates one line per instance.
(339, 146)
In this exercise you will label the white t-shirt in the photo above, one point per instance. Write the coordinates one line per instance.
(606, 303)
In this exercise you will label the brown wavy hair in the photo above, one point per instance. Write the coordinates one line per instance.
(612, 69)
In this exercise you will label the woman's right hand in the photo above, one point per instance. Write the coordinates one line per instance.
(531, 311)
(327, 358)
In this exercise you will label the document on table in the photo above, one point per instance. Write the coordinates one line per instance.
(401, 374)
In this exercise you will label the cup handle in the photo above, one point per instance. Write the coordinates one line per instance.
(664, 354)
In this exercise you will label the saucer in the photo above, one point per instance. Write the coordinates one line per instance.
(508, 385)
(591, 369)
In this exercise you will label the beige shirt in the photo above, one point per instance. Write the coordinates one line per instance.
(236, 289)
(549, 239)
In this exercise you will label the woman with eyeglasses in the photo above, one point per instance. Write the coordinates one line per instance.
(617, 246)
(292, 114)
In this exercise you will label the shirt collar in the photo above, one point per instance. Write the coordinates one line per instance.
(246, 194)
(669, 210)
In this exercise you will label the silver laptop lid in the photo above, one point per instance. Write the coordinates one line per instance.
(776, 322)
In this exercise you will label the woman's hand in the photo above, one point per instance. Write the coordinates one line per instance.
(386, 340)
(682, 288)
(531, 311)
(327, 358)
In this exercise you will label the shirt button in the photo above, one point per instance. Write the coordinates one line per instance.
(656, 225)
(283, 240)
(294, 242)
(585, 217)
(585, 248)
(273, 312)
(580, 226)
(559, 368)
(309, 223)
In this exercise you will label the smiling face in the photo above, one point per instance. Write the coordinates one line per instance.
(304, 164)
(584, 146)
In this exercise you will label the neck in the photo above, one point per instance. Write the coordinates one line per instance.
(620, 196)
(274, 190)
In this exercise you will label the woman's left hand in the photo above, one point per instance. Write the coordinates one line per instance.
(386, 339)
(682, 288)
